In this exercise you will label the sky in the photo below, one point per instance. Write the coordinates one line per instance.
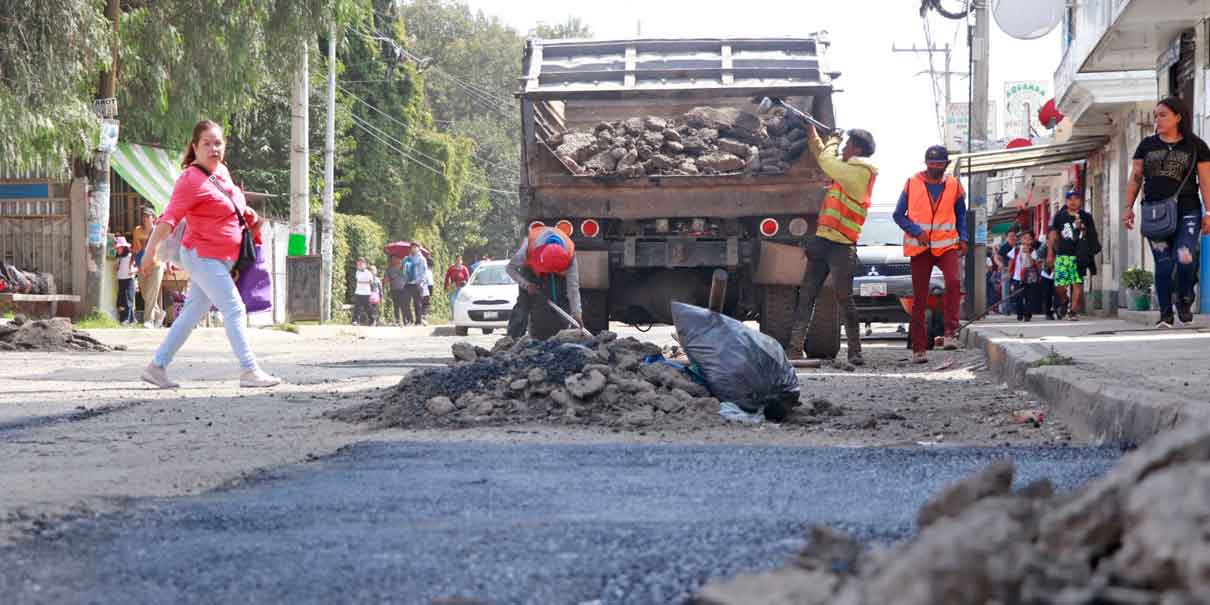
(880, 89)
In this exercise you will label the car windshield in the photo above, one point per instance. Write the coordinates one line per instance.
(491, 275)
(880, 230)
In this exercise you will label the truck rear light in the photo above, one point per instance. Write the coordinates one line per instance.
(590, 228)
(769, 227)
(536, 225)
(798, 227)
(565, 226)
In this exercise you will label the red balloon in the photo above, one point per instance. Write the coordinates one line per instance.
(1049, 114)
(1018, 143)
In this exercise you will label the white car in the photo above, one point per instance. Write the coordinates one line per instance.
(486, 301)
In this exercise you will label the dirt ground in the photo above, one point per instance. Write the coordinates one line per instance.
(79, 434)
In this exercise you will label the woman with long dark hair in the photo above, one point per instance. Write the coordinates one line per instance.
(1162, 162)
(209, 249)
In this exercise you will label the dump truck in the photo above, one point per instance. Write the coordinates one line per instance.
(636, 148)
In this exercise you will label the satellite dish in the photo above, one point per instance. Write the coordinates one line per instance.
(1028, 19)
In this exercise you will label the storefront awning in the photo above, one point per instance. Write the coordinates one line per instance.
(149, 170)
(1024, 157)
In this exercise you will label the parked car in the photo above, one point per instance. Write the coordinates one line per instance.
(882, 281)
(487, 300)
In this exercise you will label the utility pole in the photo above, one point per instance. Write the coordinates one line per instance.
(325, 279)
(948, 52)
(300, 209)
(976, 202)
(97, 211)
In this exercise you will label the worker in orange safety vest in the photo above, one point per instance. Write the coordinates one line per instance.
(932, 214)
(544, 266)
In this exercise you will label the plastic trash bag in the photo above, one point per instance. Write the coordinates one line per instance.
(730, 411)
(739, 364)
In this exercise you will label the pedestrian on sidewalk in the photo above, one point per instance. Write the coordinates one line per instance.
(205, 196)
(364, 286)
(1173, 162)
(1046, 285)
(1009, 243)
(932, 214)
(832, 250)
(126, 275)
(1073, 246)
(458, 274)
(414, 269)
(1025, 269)
(150, 283)
(375, 295)
(397, 282)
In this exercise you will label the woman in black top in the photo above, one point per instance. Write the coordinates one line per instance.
(1161, 163)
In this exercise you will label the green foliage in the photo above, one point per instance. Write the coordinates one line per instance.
(52, 53)
(1135, 278)
(1054, 358)
(97, 320)
(573, 27)
(356, 237)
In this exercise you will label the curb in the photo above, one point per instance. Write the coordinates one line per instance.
(1095, 407)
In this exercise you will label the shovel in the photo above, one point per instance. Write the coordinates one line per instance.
(571, 321)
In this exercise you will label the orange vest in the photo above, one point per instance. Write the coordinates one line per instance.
(536, 235)
(936, 217)
(842, 214)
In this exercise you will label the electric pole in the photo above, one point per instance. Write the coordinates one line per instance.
(325, 278)
(947, 52)
(300, 209)
(976, 201)
(97, 211)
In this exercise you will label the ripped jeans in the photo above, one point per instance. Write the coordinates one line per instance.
(1178, 255)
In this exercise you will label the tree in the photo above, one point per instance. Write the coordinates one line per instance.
(573, 27)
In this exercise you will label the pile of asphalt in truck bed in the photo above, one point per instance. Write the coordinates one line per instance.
(570, 379)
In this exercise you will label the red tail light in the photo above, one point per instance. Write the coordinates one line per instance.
(565, 226)
(590, 228)
(769, 227)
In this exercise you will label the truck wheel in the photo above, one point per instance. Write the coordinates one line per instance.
(777, 313)
(543, 321)
(596, 310)
(823, 341)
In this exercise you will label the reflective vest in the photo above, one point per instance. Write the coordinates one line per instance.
(842, 215)
(538, 236)
(936, 217)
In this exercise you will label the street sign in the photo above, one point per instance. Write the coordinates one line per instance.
(958, 124)
(1022, 100)
(105, 108)
(108, 142)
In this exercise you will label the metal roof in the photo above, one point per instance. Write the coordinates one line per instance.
(1024, 157)
(575, 68)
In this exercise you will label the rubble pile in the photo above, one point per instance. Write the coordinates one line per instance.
(1137, 535)
(571, 378)
(55, 334)
(706, 140)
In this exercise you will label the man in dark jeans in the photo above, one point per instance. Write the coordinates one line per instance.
(833, 248)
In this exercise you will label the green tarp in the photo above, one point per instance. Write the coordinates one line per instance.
(149, 170)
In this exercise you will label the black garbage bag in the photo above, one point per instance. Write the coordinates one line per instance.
(739, 364)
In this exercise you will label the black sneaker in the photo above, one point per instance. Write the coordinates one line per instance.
(1184, 311)
(1165, 321)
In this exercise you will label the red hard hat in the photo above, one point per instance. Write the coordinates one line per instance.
(551, 258)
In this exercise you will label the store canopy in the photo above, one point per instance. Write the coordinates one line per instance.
(149, 170)
(1024, 157)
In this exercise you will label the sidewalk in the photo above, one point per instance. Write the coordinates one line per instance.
(1124, 382)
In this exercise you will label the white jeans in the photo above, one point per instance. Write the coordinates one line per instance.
(210, 283)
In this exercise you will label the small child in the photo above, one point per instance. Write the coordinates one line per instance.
(1024, 267)
(178, 301)
(126, 274)
(375, 295)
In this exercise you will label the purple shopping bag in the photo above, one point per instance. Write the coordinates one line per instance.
(255, 285)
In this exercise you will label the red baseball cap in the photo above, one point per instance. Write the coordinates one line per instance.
(551, 258)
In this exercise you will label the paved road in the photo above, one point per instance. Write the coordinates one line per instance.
(484, 523)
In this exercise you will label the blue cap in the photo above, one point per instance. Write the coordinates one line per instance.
(1073, 193)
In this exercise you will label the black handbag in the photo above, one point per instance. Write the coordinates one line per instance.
(1160, 218)
(247, 244)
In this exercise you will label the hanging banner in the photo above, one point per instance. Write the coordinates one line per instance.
(958, 126)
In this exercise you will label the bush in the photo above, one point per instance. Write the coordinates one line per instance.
(1137, 279)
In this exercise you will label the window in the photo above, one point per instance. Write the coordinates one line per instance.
(491, 275)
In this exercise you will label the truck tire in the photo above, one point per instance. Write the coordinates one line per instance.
(823, 341)
(596, 310)
(777, 313)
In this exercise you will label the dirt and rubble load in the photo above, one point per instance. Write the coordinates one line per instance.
(1137, 535)
(571, 378)
(55, 334)
(705, 140)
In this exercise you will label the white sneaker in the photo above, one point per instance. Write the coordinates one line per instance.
(258, 379)
(157, 318)
(158, 377)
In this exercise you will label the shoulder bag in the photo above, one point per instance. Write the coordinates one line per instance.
(1160, 217)
(251, 269)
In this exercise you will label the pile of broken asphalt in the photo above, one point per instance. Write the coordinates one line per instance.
(1136, 536)
(55, 334)
(571, 378)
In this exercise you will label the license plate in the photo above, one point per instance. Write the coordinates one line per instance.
(491, 314)
(873, 290)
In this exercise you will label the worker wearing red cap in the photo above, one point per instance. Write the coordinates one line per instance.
(544, 267)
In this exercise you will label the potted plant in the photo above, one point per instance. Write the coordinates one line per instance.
(1137, 283)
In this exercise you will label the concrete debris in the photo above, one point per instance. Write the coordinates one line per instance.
(56, 334)
(1136, 535)
(571, 378)
(703, 141)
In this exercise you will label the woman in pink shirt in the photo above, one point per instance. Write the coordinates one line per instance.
(208, 251)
